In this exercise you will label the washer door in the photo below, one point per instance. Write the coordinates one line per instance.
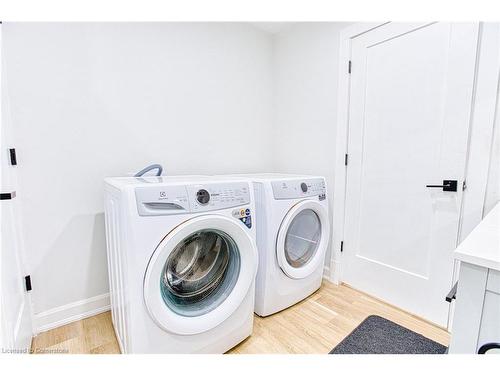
(302, 239)
(199, 274)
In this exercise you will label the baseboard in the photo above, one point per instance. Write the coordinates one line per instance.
(71, 312)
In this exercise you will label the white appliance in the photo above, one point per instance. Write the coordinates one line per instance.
(182, 262)
(293, 231)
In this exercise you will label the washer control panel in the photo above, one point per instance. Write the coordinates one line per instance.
(216, 196)
(292, 189)
(178, 199)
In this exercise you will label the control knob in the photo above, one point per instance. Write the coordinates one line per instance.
(203, 196)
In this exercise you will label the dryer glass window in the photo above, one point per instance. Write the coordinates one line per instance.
(200, 272)
(302, 239)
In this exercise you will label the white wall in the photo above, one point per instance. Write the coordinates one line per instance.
(94, 100)
(306, 58)
(493, 186)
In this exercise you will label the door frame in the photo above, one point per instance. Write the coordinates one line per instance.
(3, 338)
(6, 114)
(481, 124)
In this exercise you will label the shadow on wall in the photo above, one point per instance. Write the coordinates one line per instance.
(81, 248)
(98, 249)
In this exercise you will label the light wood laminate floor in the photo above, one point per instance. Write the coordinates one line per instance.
(315, 325)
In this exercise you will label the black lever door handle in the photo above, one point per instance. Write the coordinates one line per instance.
(6, 196)
(448, 185)
(452, 293)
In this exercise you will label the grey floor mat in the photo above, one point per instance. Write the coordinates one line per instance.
(376, 335)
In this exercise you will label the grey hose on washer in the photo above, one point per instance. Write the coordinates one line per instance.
(148, 168)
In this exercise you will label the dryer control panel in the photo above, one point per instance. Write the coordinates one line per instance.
(178, 199)
(301, 188)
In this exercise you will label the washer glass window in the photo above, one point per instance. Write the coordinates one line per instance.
(302, 238)
(200, 272)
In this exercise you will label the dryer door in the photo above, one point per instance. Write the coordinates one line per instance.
(199, 274)
(303, 239)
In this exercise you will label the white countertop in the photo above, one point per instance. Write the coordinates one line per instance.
(482, 245)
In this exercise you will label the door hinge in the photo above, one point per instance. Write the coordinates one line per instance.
(6, 196)
(464, 185)
(341, 246)
(27, 282)
(13, 158)
(346, 159)
(349, 67)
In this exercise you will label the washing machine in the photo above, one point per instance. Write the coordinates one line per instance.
(182, 262)
(293, 232)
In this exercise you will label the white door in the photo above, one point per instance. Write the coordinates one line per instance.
(16, 330)
(302, 239)
(199, 274)
(410, 103)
